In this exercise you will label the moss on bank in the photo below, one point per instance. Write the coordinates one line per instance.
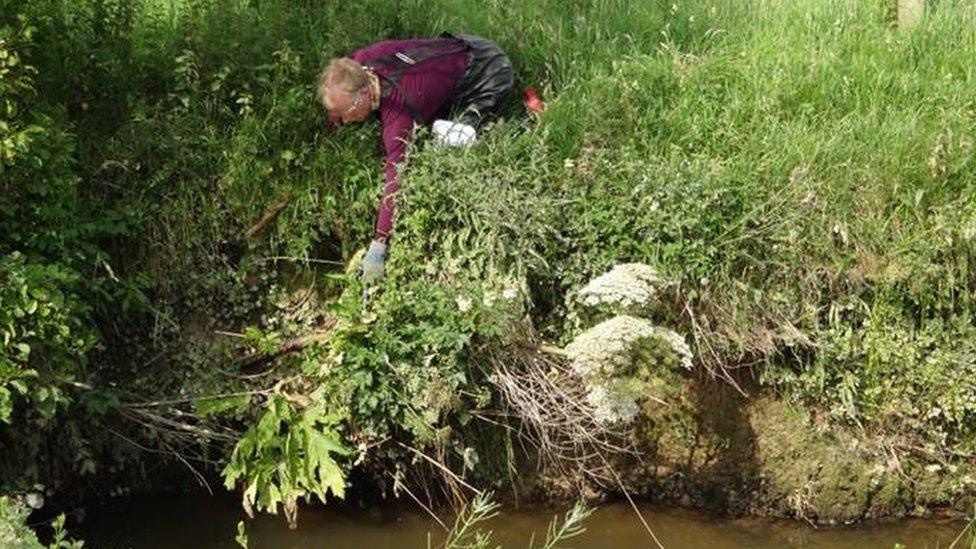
(760, 455)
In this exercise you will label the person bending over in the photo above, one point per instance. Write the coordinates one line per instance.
(415, 81)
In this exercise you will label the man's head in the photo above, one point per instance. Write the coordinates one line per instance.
(345, 89)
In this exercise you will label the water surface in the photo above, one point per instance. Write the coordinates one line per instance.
(196, 522)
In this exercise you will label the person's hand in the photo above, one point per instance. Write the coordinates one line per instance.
(374, 261)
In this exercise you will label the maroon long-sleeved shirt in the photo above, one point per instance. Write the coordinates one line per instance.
(428, 87)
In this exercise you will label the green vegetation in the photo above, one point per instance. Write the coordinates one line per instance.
(15, 534)
(802, 171)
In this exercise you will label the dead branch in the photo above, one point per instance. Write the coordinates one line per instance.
(289, 346)
(268, 217)
(620, 484)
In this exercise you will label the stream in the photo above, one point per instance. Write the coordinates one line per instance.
(192, 522)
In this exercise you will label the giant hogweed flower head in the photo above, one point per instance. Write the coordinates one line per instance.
(616, 357)
(628, 285)
(614, 400)
(626, 345)
(678, 344)
(608, 348)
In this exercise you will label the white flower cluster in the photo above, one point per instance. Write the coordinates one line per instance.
(614, 401)
(607, 348)
(969, 231)
(610, 356)
(628, 285)
(509, 293)
(678, 343)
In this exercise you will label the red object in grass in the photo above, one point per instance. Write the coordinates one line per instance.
(532, 102)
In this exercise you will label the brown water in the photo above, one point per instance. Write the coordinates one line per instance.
(209, 522)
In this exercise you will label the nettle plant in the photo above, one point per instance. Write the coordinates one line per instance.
(45, 303)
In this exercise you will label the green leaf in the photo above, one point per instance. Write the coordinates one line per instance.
(241, 537)
(212, 406)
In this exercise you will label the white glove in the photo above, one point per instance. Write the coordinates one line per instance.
(453, 134)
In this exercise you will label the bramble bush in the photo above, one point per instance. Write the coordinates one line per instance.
(15, 534)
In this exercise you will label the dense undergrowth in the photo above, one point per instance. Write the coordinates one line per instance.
(803, 171)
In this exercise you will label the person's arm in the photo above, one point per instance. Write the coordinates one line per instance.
(397, 129)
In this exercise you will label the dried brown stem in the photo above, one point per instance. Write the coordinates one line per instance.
(287, 347)
(268, 217)
(549, 402)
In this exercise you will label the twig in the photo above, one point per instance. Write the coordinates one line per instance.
(302, 260)
(200, 478)
(268, 217)
(156, 403)
(696, 330)
(442, 467)
(289, 346)
(633, 505)
(177, 428)
(959, 537)
(554, 415)
(396, 483)
(553, 350)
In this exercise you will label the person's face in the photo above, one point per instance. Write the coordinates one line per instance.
(350, 107)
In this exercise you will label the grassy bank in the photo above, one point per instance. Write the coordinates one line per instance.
(802, 173)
